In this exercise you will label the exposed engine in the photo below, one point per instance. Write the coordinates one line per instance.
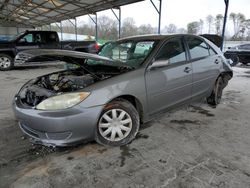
(52, 84)
(65, 81)
(46, 86)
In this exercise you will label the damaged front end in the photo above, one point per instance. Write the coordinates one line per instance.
(89, 72)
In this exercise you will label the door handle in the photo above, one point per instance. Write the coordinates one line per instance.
(187, 70)
(216, 61)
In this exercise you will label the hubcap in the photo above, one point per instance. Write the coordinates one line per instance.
(115, 125)
(5, 62)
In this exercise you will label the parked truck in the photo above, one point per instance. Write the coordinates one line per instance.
(39, 40)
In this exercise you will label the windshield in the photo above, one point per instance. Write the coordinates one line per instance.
(14, 37)
(129, 53)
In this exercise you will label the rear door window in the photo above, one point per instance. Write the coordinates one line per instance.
(197, 47)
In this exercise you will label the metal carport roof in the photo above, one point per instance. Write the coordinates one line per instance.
(37, 13)
(43, 12)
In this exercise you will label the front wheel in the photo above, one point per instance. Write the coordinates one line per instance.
(6, 62)
(118, 124)
(215, 98)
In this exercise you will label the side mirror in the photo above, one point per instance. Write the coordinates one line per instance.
(22, 40)
(159, 64)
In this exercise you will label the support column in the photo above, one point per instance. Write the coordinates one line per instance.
(76, 28)
(61, 30)
(158, 10)
(118, 17)
(224, 23)
(96, 27)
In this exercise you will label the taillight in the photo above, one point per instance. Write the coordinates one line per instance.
(97, 47)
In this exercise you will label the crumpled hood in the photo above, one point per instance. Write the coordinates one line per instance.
(40, 55)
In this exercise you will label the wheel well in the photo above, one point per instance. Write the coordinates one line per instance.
(226, 76)
(11, 54)
(135, 102)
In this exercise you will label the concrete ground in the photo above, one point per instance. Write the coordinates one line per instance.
(196, 146)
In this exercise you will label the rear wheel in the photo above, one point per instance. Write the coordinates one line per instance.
(6, 62)
(215, 98)
(118, 124)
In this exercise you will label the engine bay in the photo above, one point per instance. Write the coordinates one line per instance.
(56, 83)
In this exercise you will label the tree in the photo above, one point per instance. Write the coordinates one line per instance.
(210, 20)
(128, 27)
(145, 29)
(171, 28)
(218, 23)
(201, 24)
(232, 16)
(107, 28)
(238, 22)
(181, 31)
(193, 27)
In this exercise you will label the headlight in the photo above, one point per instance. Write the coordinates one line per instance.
(62, 101)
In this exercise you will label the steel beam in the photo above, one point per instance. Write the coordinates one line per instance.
(118, 17)
(75, 26)
(158, 10)
(224, 24)
(96, 26)
(61, 30)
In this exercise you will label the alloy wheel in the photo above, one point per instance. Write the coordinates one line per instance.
(5, 62)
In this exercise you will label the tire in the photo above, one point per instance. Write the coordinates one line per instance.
(235, 60)
(215, 98)
(118, 124)
(6, 62)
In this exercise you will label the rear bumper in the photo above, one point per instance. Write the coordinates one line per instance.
(58, 128)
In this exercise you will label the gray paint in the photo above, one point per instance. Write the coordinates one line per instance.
(156, 89)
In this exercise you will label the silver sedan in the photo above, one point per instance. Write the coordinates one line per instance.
(106, 97)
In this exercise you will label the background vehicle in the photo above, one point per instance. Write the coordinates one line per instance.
(108, 96)
(239, 53)
(39, 40)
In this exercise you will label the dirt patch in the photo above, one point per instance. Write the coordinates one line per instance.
(186, 121)
(126, 152)
(201, 111)
(140, 135)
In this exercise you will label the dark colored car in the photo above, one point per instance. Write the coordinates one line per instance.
(239, 53)
(111, 94)
(39, 40)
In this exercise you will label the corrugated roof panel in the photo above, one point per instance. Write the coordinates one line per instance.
(41, 12)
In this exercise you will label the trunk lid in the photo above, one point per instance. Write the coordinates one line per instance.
(216, 39)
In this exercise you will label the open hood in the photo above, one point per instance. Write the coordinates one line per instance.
(216, 39)
(40, 56)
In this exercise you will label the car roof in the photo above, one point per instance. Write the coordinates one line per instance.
(155, 37)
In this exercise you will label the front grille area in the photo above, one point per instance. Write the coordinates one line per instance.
(21, 58)
(59, 136)
(44, 135)
(29, 131)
